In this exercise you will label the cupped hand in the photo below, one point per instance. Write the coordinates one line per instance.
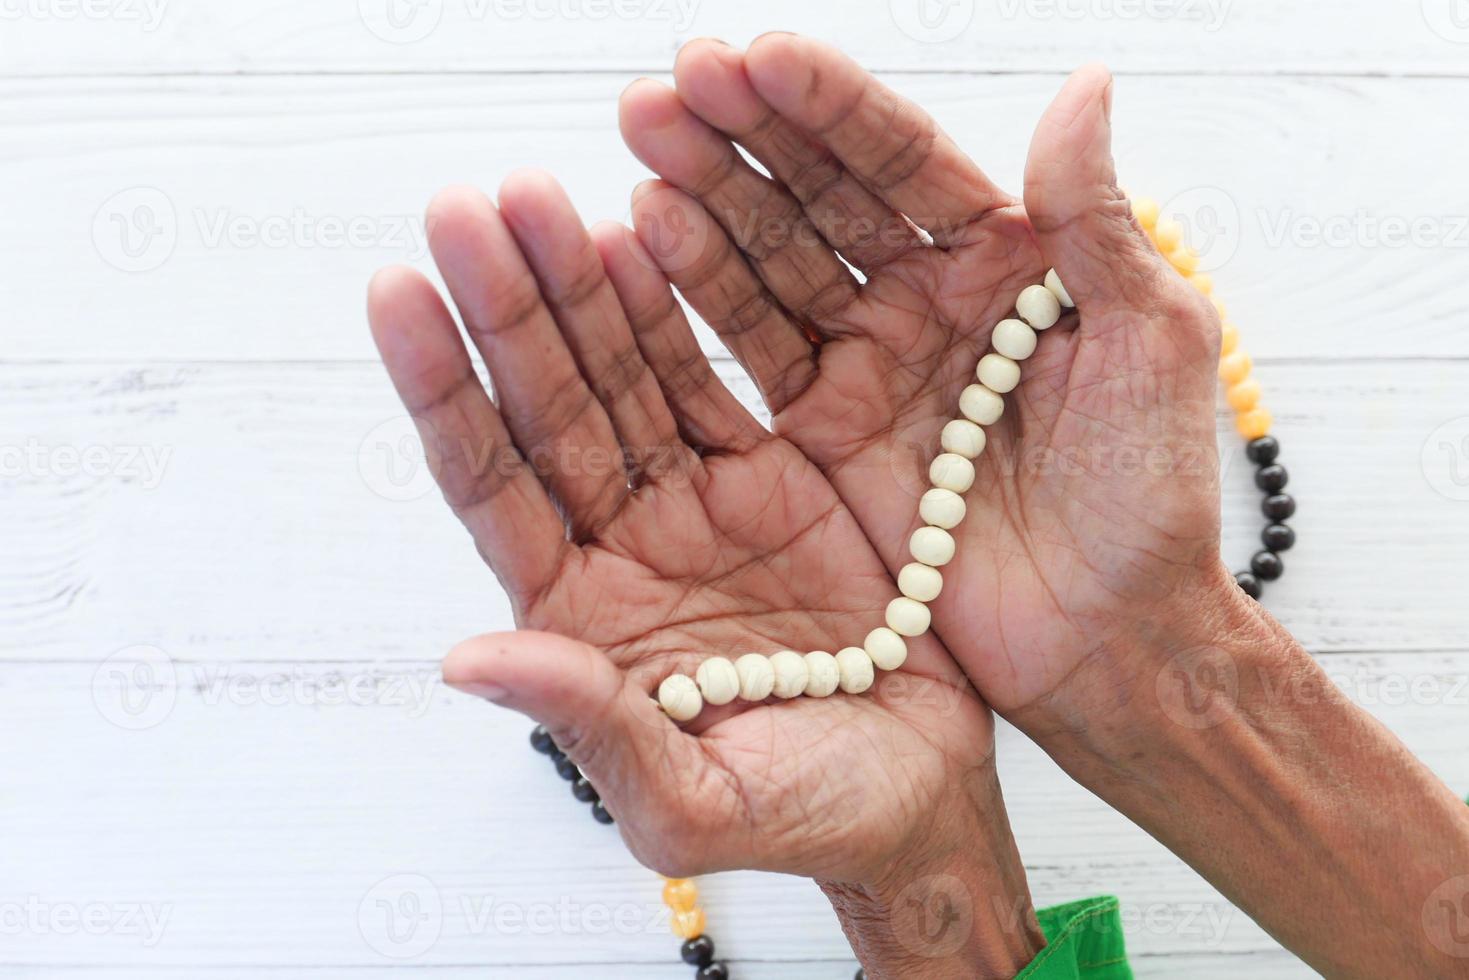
(641, 520)
(1096, 506)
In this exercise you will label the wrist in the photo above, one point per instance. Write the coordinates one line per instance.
(955, 905)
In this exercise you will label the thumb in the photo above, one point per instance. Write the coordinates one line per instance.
(1084, 223)
(598, 715)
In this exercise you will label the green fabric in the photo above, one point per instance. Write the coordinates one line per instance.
(1083, 942)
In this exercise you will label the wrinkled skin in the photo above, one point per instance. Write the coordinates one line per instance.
(1096, 503)
(732, 542)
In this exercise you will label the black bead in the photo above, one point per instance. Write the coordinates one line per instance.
(600, 814)
(714, 971)
(583, 790)
(861, 974)
(1263, 450)
(1272, 478)
(698, 951)
(1267, 566)
(540, 740)
(1249, 584)
(567, 769)
(1278, 537)
(556, 755)
(1279, 506)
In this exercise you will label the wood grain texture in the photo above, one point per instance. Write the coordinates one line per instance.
(264, 833)
(1226, 36)
(276, 512)
(257, 208)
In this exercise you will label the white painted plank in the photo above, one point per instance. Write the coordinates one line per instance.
(147, 36)
(263, 834)
(252, 184)
(229, 512)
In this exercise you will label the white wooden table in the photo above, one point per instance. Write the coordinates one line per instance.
(200, 456)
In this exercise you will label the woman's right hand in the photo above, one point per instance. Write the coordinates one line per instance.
(656, 524)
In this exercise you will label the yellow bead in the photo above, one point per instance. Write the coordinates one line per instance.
(1219, 307)
(1184, 259)
(1228, 340)
(1254, 424)
(1168, 234)
(689, 925)
(1145, 210)
(1243, 396)
(681, 894)
(1235, 368)
(1203, 282)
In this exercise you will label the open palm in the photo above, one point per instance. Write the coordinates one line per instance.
(1094, 491)
(639, 515)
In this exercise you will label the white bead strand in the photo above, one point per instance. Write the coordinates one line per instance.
(886, 648)
(818, 674)
(823, 675)
(1014, 339)
(1039, 307)
(791, 674)
(941, 508)
(963, 438)
(718, 681)
(855, 667)
(1053, 283)
(998, 373)
(679, 697)
(757, 677)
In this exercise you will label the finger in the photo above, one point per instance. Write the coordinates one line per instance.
(586, 307)
(652, 777)
(1084, 223)
(768, 224)
(856, 222)
(714, 277)
(708, 413)
(892, 145)
(483, 478)
(556, 421)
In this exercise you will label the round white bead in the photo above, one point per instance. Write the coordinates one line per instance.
(718, 681)
(1038, 306)
(941, 508)
(757, 677)
(908, 617)
(1053, 283)
(679, 697)
(824, 676)
(1014, 339)
(886, 648)
(963, 438)
(791, 673)
(855, 667)
(920, 582)
(950, 471)
(998, 373)
(932, 546)
(980, 405)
